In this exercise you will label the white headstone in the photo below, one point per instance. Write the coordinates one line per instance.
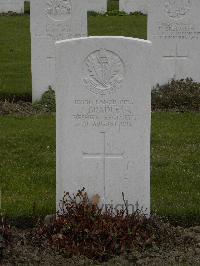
(103, 119)
(53, 20)
(99, 6)
(16, 6)
(131, 6)
(174, 29)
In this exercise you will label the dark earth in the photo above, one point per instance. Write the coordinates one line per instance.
(183, 249)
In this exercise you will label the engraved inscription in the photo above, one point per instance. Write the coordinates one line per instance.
(59, 10)
(103, 113)
(103, 156)
(104, 72)
(176, 57)
(175, 30)
(177, 8)
(58, 31)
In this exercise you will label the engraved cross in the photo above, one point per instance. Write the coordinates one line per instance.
(176, 57)
(103, 156)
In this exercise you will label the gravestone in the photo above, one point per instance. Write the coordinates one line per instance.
(99, 6)
(53, 20)
(16, 6)
(174, 29)
(103, 119)
(131, 6)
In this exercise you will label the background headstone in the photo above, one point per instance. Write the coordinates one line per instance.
(131, 6)
(103, 118)
(16, 6)
(99, 6)
(53, 20)
(174, 29)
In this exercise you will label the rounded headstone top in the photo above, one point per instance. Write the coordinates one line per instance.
(59, 10)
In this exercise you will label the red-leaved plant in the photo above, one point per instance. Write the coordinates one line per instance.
(83, 228)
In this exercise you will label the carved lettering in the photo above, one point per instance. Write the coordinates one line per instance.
(181, 31)
(59, 10)
(177, 9)
(105, 113)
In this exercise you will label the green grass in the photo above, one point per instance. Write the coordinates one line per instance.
(129, 26)
(15, 47)
(15, 55)
(175, 166)
(27, 165)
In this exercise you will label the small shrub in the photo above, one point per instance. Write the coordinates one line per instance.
(82, 228)
(94, 14)
(47, 102)
(20, 108)
(15, 97)
(137, 13)
(178, 95)
(114, 13)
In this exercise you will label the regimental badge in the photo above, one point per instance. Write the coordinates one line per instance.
(59, 10)
(104, 72)
(177, 8)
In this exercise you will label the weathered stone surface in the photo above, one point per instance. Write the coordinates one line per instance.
(99, 6)
(174, 29)
(16, 6)
(130, 6)
(53, 20)
(103, 119)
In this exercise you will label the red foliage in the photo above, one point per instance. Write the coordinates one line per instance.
(83, 228)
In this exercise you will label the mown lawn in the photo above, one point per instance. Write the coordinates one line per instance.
(129, 26)
(175, 182)
(27, 165)
(15, 55)
(15, 47)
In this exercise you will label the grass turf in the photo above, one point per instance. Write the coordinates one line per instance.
(15, 64)
(27, 166)
(15, 47)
